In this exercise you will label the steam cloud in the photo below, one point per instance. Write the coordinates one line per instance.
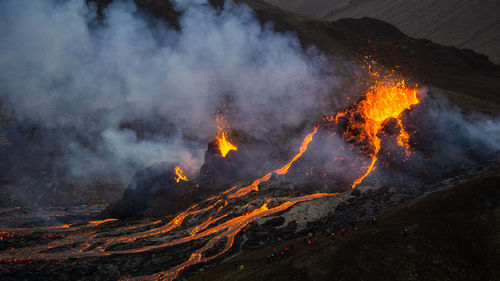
(93, 87)
(61, 71)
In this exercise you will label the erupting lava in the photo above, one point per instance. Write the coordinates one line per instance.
(179, 175)
(217, 233)
(223, 136)
(386, 99)
(84, 241)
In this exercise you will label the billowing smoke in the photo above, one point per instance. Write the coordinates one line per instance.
(446, 143)
(119, 93)
(102, 95)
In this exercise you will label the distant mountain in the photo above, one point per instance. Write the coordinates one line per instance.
(472, 24)
(309, 7)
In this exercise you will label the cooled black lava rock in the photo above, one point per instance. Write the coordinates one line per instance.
(153, 192)
(243, 164)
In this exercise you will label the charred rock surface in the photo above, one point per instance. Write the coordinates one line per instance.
(243, 164)
(348, 208)
(452, 234)
(153, 192)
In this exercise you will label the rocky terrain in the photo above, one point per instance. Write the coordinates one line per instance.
(465, 78)
(452, 235)
(447, 22)
(112, 249)
(434, 170)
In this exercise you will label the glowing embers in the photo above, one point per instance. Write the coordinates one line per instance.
(179, 175)
(386, 99)
(222, 138)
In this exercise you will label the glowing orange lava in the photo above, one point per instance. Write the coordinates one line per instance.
(217, 229)
(96, 223)
(386, 99)
(224, 145)
(283, 170)
(179, 175)
(223, 136)
(303, 148)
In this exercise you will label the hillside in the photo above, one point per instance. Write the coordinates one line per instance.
(445, 22)
(157, 139)
(453, 235)
(309, 8)
(467, 79)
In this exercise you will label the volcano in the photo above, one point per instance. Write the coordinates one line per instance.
(295, 132)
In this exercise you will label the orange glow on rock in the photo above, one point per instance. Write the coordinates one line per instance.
(179, 175)
(222, 138)
(224, 145)
(283, 170)
(386, 99)
(303, 148)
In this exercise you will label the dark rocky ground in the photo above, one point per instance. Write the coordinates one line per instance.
(453, 232)
(453, 235)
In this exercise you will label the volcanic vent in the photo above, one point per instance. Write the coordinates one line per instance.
(273, 166)
(208, 229)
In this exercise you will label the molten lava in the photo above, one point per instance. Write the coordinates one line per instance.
(303, 148)
(179, 175)
(221, 224)
(222, 138)
(283, 170)
(386, 99)
(96, 223)
(224, 145)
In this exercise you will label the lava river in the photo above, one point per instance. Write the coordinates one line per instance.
(212, 221)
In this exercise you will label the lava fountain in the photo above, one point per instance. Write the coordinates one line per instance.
(179, 175)
(222, 138)
(220, 226)
(386, 99)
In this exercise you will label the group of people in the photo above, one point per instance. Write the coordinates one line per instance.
(279, 253)
(309, 240)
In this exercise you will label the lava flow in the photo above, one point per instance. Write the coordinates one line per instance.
(386, 99)
(179, 175)
(220, 227)
(207, 230)
(223, 136)
(283, 170)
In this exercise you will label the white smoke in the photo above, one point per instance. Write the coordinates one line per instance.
(59, 70)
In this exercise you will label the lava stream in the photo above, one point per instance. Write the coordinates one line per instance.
(283, 170)
(231, 229)
(386, 99)
(383, 101)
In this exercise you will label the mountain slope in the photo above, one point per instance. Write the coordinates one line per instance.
(453, 235)
(469, 24)
(466, 24)
(310, 7)
(468, 79)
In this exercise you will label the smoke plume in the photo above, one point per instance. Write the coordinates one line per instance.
(85, 83)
